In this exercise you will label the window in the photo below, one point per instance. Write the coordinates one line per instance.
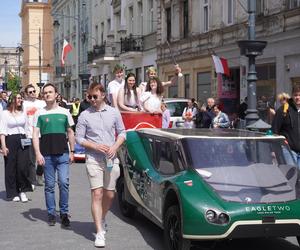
(168, 22)
(140, 21)
(138, 75)
(151, 15)
(205, 16)
(203, 85)
(173, 89)
(108, 26)
(259, 7)
(102, 33)
(185, 18)
(294, 4)
(229, 11)
(130, 10)
(187, 85)
(164, 158)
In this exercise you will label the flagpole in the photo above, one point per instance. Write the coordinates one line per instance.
(40, 61)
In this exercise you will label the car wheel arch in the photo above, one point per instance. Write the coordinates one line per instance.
(171, 197)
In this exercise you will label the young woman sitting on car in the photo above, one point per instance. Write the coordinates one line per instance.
(129, 95)
(152, 97)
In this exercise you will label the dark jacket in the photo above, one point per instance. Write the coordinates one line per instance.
(288, 125)
(84, 105)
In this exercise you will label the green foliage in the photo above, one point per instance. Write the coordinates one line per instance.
(13, 83)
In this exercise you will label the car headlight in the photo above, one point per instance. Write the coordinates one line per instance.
(216, 217)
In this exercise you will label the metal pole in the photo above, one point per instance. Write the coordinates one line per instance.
(252, 115)
(40, 60)
(19, 68)
(5, 72)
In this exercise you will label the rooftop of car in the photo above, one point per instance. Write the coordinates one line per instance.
(208, 133)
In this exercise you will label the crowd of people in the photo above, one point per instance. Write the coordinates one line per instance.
(31, 128)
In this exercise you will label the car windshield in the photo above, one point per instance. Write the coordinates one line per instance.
(245, 170)
(176, 108)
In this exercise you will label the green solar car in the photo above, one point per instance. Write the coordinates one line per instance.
(209, 184)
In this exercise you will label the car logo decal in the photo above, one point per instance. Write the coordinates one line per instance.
(188, 183)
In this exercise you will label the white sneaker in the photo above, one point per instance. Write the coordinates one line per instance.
(104, 226)
(23, 197)
(100, 240)
(16, 199)
(33, 187)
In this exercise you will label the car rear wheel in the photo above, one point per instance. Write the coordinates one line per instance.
(126, 208)
(172, 230)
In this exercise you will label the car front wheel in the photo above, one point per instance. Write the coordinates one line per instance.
(172, 230)
(126, 208)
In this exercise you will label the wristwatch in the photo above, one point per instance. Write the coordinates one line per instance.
(72, 151)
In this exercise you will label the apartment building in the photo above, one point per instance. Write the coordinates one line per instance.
(124, 32)
(10, 62)
(71, 23)
(196, 29)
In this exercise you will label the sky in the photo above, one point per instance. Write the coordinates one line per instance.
(10, 23)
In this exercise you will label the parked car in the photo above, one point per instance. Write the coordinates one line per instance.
(201, 184)
(176, 107)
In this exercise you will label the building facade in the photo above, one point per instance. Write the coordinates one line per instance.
(196, 29)
(36, 47)
(9, 64)
(125, 33)
(71, 23)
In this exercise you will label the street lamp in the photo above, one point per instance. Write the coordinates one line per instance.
(5, 74)
(19, 50)
(252, 48)
(39, 48)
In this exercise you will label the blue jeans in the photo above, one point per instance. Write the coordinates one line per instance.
(59, 163)
(296, 157)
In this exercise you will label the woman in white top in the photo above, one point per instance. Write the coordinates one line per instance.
(129, 95)
(152, 97)
(16, 155)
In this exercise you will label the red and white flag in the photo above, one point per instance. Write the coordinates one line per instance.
(221, 65)
(66, 49)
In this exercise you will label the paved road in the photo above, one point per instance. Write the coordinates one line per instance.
(24, 225)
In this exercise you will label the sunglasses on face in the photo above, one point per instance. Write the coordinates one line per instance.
(32, 91)
(90, 97)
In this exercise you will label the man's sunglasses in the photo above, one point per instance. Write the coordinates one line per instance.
(32, 91)
(90, 97)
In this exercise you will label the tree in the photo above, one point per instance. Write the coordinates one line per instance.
(13, 83)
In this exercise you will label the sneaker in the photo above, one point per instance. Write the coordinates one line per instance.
(100, 240)
(65, 220)
(104, 226)
(16, 199)
(23, 197)
(32, 187)
(39, 180)
(51, 219)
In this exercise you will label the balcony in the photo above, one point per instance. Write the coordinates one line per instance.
(132, 46)
(103, 53)
(61, 71)
(98, 51)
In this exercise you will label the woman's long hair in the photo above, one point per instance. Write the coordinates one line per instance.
(160, 88)
(12, 103)
(127, 91)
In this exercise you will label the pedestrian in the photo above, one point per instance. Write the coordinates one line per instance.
(3, 100)
(152, 72)
(54, 124)
(31, 105)
(221, 119)
(96, 130)
(115, 85)
(151, 99)
(60, 101)
(75, 110)
(129, 95)
(166, 117)
(208, 115)
(189, 114)
(287, 122)
(15, 150)
(85, 103)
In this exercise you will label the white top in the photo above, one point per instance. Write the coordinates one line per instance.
(30, 109)
(12, 124)
(113, 88)
(153, 101)
(132, 102)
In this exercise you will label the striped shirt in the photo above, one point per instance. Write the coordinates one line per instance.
(99, 126)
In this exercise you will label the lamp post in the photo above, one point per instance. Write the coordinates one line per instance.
(5, 74)
(19, 50)
(252, 48)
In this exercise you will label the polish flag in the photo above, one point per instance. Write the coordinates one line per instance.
(66, 49)
(221, 65)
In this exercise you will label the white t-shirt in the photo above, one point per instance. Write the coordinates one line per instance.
(153, 101)
(30, 109)
(11, 125)
(113, 88)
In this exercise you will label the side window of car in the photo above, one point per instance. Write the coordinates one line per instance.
(148, 146)
(179, 157)
(164, 158)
